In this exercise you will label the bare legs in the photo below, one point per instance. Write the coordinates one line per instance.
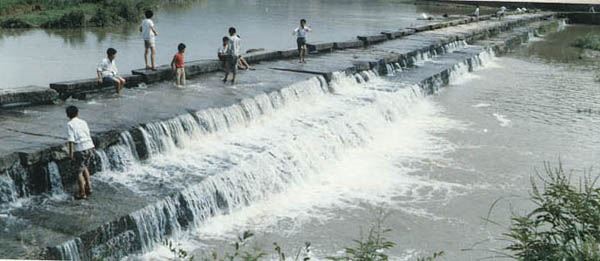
(152, 51)
(302, 54)
(119, 84)
(84, 184)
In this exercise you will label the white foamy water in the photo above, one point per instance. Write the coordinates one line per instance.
(358, 146)
(481, 105)
(504, 122)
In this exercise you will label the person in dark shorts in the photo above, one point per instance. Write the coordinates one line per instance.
(232, 55)
(108, 73)
(300, 33)
(81, 151)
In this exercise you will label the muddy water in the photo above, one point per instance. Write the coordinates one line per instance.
(43, 56)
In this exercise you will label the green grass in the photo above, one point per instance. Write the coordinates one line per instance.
(565, 223)
(71, 13)
(590, 41)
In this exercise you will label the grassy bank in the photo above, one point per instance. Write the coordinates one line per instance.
(71, 13)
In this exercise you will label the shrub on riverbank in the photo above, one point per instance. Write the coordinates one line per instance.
(71, 13)
(565, 225)
(590, 41)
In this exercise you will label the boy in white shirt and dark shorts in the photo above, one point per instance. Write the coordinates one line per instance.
(149, 34)
(81, 151)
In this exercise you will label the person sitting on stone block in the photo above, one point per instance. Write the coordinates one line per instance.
(501, 12)
(81, 151)
(108, 73)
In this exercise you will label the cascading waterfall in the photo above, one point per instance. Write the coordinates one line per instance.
(270, 169)
(164, 136)
(270, 172)
(71, 250)
(53, 173)
(8, 191)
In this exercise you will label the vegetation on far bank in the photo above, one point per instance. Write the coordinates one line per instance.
(71, 13)
(589, 41)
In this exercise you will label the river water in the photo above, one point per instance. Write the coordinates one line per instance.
(39, 57)
(434, 164)
(320, 167)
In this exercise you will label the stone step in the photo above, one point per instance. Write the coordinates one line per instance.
(27, 96)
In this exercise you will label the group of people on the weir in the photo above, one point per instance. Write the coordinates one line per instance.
(229, 53)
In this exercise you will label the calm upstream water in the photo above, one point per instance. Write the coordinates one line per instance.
(39, 57)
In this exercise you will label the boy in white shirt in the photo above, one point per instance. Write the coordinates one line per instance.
(108, 73)
(233, 55)
(301, 32)
(149, 35)
(81, 151)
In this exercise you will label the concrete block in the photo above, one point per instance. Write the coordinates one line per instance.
(162, 73)
(435, 26)
(260, 56)
(197, 67)
(320, 47)
(399, 33)
(420, 28)
(371, 39)
(86, 86)
(290, 53)
(29, 95)
(132, 81)
(348, 44)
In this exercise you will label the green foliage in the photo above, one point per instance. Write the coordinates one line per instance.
(71, 13)
(372, 247)
(589, 41)
(565, 225)
(433, 257)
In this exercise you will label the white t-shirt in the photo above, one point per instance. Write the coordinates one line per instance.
(476, 13)
(301, 32)
(234, 45)
(147, 32)
(79, 133)
(107, 68)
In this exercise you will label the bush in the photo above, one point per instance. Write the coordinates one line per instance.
(565, 225)
(590, 41)
(73, 19)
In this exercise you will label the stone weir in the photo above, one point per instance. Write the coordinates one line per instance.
(40, 221)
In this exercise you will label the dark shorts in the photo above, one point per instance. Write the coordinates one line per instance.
(301, 41)
(83, 159)
(110, 80)
(231, 62)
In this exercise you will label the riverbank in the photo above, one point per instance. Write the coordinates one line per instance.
(71, 14)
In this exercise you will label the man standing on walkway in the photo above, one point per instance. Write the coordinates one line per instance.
(149, 34)
(233, 55)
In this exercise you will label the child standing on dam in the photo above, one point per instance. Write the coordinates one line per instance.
(81, 151)
(178, 65)
(149, 35)
(300, 33)
(232, 56)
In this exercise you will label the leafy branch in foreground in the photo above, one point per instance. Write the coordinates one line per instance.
(371, 247)
(565, 224)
